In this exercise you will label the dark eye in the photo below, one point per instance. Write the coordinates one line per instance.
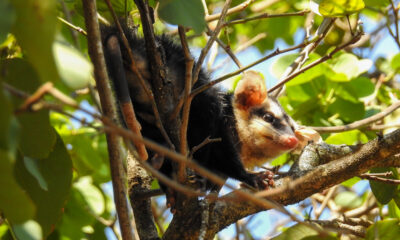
(268, 118)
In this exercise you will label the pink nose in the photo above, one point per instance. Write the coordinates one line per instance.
(290, 142)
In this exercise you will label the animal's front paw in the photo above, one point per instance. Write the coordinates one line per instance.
(264, 180)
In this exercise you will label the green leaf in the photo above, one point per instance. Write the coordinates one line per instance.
(383, 192)
(350, 182)
(347, 66)
(394, 211)
(4, 231)
(92, 195)
(395, 62)
(281, 64)
(188, 13)
(347, 110)
(348, 138)
(7, 18)
(121, 8)
(387, 229)
(89, 154)
(361, 86)
(29, 230)
(296, 232)
(318, 237)
(37, 136)
(279, 161)
(8, 124)
(376, 3)
(56, 170)
(14, 202)
(75, 70)
(99, 232)
(75, 216)
(348, 200)
(32, 166)
(340, 8)
(34, 29)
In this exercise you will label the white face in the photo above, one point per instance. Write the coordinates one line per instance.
(267, 131)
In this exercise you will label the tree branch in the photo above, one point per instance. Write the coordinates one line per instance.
(377, 152)
(360, 123)
(109, 110)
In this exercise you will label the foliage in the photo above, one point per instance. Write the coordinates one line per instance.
(54, 170)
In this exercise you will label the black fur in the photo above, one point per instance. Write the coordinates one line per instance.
(211, 113)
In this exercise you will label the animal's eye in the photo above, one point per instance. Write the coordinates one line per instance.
(268, 117)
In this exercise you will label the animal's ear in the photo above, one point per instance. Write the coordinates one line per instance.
(250, 91)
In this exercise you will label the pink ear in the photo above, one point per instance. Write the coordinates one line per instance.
(250, 91)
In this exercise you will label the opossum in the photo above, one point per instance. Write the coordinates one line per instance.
(252, 126)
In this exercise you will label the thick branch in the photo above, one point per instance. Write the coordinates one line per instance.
(377, 152)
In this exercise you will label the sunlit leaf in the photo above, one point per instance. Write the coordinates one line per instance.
(75, 70)
(376, 3)
(91, 194)
(348, 200)
(301, 232)
(394, 211)
(349, 138)
(349, 67)
(340, 8)
(387, 229)
(281, 64)
(395, 62)
(350, 182)
(29, 230)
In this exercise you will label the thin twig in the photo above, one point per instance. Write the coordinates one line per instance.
(227, 49)
(265, 15)
(396, 23)
(325, 202)
(356, 37)
(379, 179)
(109, 110)
(229, 75)
(78, 29)
(204, 51)
(189, 63)
(230, 11)
(69, 19)
(304, 54)
(240, 48)
(360, 123)
(202, 144)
